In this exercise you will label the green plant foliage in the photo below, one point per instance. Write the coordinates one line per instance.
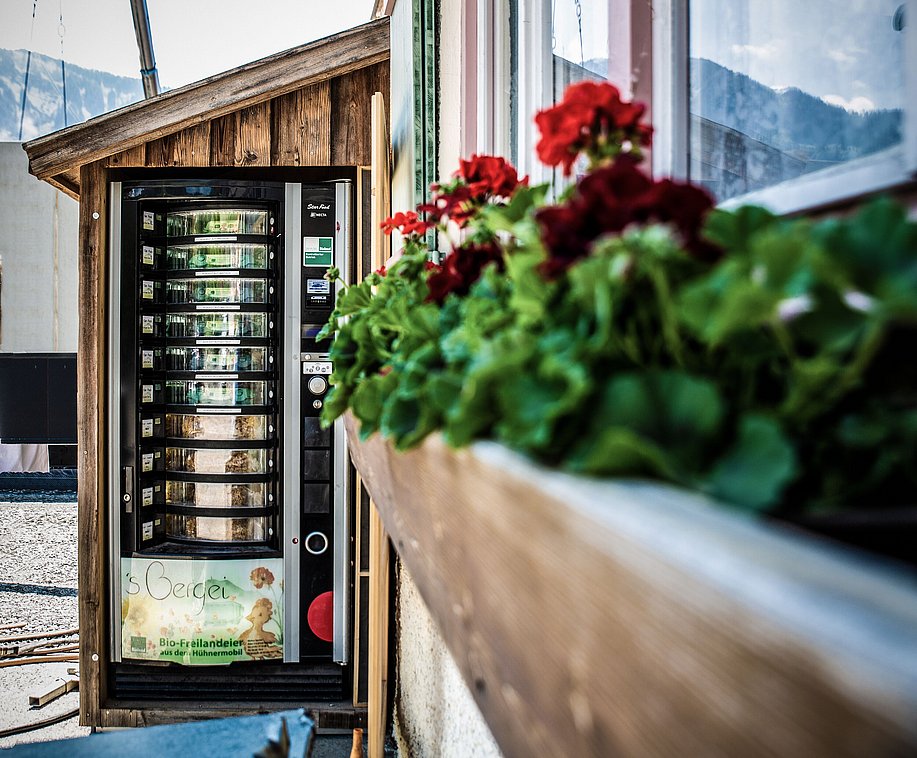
(631, 330)
(770, 379)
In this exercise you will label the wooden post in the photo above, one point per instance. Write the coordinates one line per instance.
(91, 528)
(378, 539)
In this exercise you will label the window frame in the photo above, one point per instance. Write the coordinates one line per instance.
(534, 83)
(890, 169)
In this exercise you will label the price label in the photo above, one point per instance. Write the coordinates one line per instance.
(148, 531)
(147, 289)
(147, 495)
(149, 220)
(147, 324)
(147, 393)
(146, 427)
(146, 358)
(147, 462)
(148, 256)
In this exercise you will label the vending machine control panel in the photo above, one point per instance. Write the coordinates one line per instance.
(323, 243)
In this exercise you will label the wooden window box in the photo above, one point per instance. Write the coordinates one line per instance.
(599, 618)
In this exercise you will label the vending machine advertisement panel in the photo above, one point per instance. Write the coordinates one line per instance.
(202, 612)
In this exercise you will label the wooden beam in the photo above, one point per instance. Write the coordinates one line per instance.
(379, 582)
(379, 548)
(382, 181)
(594, 618)
(211, 98)
(66, 184)
(43, 698)
(91, 446)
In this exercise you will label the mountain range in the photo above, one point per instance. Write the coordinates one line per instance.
(792, 121)
(89, 93)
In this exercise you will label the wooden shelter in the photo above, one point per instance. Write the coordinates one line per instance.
(306, 107)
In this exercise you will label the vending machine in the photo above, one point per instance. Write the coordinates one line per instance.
(229, 518)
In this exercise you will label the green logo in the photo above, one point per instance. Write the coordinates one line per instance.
(317, 251)
(138, 644)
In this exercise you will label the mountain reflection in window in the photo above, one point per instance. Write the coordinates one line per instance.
(782, 88)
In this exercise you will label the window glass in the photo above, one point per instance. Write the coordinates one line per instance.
(782, 88)
(579, 38)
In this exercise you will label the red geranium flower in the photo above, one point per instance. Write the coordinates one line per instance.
(454, 202)
(462, 268)
(591, 118)
(490, 175)
(407, 223)
(478, 181)
(613, 197)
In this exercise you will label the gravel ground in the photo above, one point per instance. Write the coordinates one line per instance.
(38, 580)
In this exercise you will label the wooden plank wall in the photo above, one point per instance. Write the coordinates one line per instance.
(325, 124)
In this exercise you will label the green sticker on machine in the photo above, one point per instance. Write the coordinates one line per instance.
(317, 251)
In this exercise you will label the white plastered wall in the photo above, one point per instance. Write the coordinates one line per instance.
(435, 714)
(39, 230)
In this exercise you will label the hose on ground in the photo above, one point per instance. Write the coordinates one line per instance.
(14, 730)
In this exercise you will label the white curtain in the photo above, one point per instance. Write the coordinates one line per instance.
(16, 458)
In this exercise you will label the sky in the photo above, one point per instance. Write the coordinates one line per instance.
(847, 53)
(192, 39)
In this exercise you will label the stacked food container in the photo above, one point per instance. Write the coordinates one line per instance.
(207, 374)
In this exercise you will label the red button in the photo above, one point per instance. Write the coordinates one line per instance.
(321, 616)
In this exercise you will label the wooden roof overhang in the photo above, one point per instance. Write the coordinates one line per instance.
(56, 158)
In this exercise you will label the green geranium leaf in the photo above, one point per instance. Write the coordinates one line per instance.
(755, 470)
(531, 401)
(733, 230)
(669, 411)
(726, 303)
(531, 294)
(407, 419)
(621, 452)
(368, 400)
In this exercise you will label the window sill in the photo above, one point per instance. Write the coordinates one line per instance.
(631, 617)
(846, 183)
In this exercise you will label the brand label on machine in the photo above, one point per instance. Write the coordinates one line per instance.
(200, 612)
(148, 257)
(317, 251)
(318, 286)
